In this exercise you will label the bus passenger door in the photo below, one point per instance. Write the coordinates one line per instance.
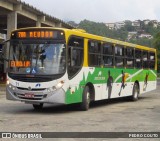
(75, 62)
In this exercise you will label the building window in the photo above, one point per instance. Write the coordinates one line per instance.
(94, 53)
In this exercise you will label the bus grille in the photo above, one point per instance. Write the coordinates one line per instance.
(36, 97)
(26, 89)
(32, 79)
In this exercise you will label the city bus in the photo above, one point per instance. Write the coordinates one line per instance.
(69, 66)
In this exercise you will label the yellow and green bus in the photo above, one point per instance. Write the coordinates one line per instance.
(67, 66)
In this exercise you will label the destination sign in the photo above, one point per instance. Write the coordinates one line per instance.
(23, 64)
(38, 34)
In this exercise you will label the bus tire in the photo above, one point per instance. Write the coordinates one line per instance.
(135, 93)
(38, 106)
(84, 106)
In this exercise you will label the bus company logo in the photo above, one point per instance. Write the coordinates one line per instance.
(100, 77)
(100, 74)
(6, 135)
(38, 85)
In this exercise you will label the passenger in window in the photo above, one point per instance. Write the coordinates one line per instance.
(108, 61)
(43, 57)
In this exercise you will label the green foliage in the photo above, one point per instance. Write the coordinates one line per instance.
(102, 30)
(122, 34)
(156, 44)
(128, 26)
(142, 41)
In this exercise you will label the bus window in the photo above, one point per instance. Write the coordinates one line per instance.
(94, 53)
(119, 56)
(151, 60)
(107, 49)
(129, 57)
(145, 59)
(75, 55)
(107, 55)
(138, 58)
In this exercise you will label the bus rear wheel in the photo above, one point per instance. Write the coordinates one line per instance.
(38, 106)
(86, 98)
(135, 93)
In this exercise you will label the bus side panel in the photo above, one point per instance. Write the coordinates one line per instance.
(74, 94)
(75, 88)
(110, 82)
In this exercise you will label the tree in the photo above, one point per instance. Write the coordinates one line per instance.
(128, 26)
(102, 30)
(156, 44)
(73, 23)
(142, 41)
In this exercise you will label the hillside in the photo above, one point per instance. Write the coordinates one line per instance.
(143, 34)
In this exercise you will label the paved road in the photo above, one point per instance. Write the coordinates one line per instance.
(118, 115)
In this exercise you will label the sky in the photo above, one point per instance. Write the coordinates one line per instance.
(106, 11)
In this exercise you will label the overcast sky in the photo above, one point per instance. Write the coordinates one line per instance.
(99, 10)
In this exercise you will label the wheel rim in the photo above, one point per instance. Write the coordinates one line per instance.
(88, 98)
(136, 93)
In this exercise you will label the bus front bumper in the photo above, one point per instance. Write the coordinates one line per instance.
(57, 96)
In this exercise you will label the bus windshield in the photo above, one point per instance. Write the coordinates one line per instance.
(37, 58)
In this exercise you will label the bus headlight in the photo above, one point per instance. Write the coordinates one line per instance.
(7, 82)
(12, 87)
(54, 88)
(59, 85)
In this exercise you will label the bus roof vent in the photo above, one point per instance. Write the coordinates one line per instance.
(79, 30)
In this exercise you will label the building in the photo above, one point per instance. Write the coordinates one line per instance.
(110, 25)
(146, 22)
(146, 36)
(155, 23)
(131, 35)
(136, 23)
(119, 25)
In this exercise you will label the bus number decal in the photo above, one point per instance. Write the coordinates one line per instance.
(20, 64)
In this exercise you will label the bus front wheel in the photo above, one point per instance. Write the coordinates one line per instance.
(85, 99)
(38, 106)
(135, 93)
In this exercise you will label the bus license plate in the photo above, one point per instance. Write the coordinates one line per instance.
(29, 95)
